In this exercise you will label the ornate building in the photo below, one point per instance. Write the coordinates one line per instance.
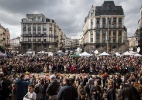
(15, 44)
(104, 27)
(140, 31)
(40, 33)
(4, 38)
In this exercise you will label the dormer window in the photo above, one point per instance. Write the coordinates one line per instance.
(108, 6)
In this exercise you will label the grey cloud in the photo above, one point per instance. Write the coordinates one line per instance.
(68, 14)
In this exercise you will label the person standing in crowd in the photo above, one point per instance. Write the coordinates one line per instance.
(53, 88)
(68, 91)
(39, 90)
(31, 95)
(95, 91)
(22, 87)
(81, 92)
(128, 92)
(4, 94)
(109, 94)
(88, 88)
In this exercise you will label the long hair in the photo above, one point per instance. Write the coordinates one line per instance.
(128, 92)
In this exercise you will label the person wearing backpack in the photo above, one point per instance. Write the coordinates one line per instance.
(38, 90)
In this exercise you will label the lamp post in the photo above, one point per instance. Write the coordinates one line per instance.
(32, 33)
(107, 37)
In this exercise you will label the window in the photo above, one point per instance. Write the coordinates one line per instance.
(97, 22)
(39, 19)
(91, 23)
(120, 20)
(91, 39)
(29, 40)
(24, 32)
(114, 32)
(34, 27)
(34, 40)
(24, 27)
(34, 32)
(120, 33)
(119, 39)
(104, 22)
(39, 32)
(104, 33)
(39, 26)
(29, 27)
(34, 18)
(92, 14)
(97, 33)
(109, 22)
(44, 40)
(91, 33)
(109, 32)
(114, 22)
(29, 32)
(103, 40)
(97, 36)
(39, 40)
(25, 39)
(114, 40)
(44, 32)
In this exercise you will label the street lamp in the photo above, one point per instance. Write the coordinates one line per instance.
(107, 37)
(32, 33)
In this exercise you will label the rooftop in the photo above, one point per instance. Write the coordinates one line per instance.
(108, 8)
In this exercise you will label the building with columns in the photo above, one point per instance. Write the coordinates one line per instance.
(4, 38)
(139, 31)
(40, 33)
(104, 27)
(15, 44)
(71, 44)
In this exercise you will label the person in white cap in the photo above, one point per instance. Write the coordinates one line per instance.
(53, 88)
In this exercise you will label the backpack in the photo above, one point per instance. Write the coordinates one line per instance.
(36, 90)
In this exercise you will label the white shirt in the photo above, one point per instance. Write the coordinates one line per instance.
(30, 96)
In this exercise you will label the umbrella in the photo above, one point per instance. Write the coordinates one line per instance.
(127, 53)
(96, 52)
(104, 54)
(75, 55)
(85, 54)
(137, 55)
(2, 54)
(117, 54)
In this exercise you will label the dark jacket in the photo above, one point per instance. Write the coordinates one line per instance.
(111, 94)
(67, 93)
(22, 89)
(53, 88)
(3, 89)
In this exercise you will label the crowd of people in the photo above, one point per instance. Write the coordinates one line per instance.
(71, 78)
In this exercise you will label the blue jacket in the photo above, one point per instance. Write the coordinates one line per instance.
(67, 93)
(21, 89)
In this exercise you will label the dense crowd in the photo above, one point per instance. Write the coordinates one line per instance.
(71, 78)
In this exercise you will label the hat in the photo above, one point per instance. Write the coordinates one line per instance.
(52, 77)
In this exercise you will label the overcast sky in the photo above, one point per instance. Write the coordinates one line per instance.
(68, 14)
